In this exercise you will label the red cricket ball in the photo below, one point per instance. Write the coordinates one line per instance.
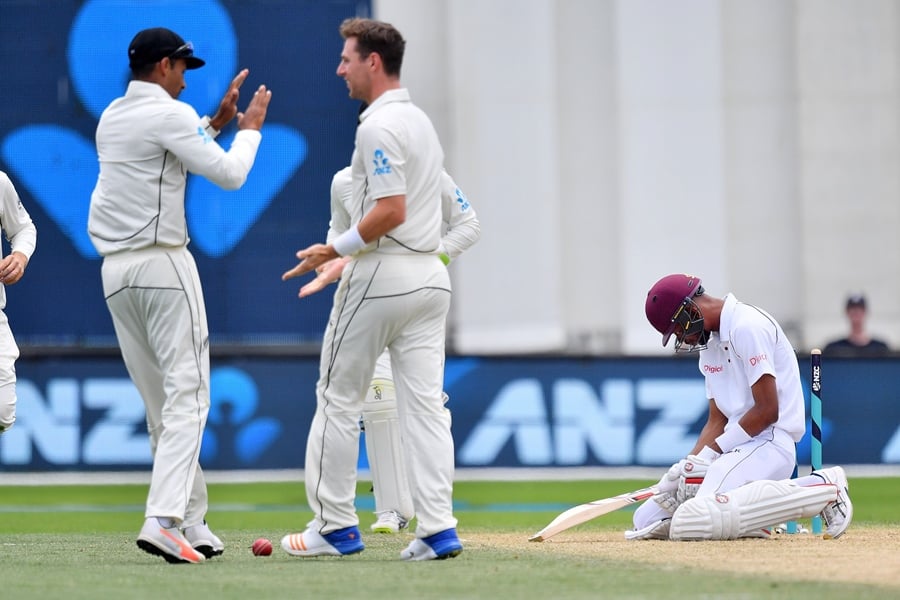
(262, 547)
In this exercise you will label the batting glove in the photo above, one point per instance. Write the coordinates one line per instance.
(694, 473)
(668, 487)
(669, 481)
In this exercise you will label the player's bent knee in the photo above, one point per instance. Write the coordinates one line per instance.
(749, 508)
(704, 518)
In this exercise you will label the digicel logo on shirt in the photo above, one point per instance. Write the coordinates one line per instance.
(755, 360)
(712, 368)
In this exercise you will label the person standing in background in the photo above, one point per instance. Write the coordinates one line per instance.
(22, 236)
(396, 296)
(858, 342)
(147, 141)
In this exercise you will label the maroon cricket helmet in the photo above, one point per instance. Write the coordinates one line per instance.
(667, 298)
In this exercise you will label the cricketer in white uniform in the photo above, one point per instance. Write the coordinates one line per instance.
(735, 481)
(147, 141)
(396, 295)
(21, 234)
(460, 229)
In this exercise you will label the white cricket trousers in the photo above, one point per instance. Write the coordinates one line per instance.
(9, 352)
(399, 302)
(770, 455)
(156, 303)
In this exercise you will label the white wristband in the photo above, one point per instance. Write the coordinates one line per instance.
(708, 454)
(207, 126)
(733, 437)
(349, 242)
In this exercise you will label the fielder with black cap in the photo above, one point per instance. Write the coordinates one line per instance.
(735, 481)
(147, 141)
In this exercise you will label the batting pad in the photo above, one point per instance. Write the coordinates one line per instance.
(385, 450)
(745, 510)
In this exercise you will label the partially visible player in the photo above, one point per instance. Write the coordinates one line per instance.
(461, 229)
(735, 481)
(22, 236)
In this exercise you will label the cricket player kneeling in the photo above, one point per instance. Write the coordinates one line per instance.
(748, 509)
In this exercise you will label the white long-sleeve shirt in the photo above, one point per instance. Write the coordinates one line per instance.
(460, 227)
(16, 223)
(147, 141)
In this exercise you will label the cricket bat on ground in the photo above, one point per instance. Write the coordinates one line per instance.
(591, 510)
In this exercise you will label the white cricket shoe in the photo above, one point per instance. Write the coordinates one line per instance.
(657, 530)
(838, 514)
(203, 540)
(311, 543)
(167, 542)
(441, 545)
(389, 521)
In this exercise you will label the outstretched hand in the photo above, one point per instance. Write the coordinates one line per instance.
(255, 115)
(310, 258)
(228, 105)
(327, 273)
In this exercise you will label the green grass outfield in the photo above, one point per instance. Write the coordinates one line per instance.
(77, 542)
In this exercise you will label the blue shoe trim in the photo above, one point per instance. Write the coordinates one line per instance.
(347, 540)
(445, 543)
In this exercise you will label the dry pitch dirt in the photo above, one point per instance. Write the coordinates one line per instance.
(861, 555)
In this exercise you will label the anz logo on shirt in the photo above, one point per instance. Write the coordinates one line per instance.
(58, 165)
(382, 163)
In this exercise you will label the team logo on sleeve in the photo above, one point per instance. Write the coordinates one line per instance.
(382, 163)
(461, 201)
(755, 360)
(205, 136)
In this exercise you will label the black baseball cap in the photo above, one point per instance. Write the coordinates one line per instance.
(152, 45)
(856, 300)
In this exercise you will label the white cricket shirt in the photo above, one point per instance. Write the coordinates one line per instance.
(398, 153)
(460, 227)
(749, 344)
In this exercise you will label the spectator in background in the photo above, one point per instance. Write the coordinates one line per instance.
(858, 342)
